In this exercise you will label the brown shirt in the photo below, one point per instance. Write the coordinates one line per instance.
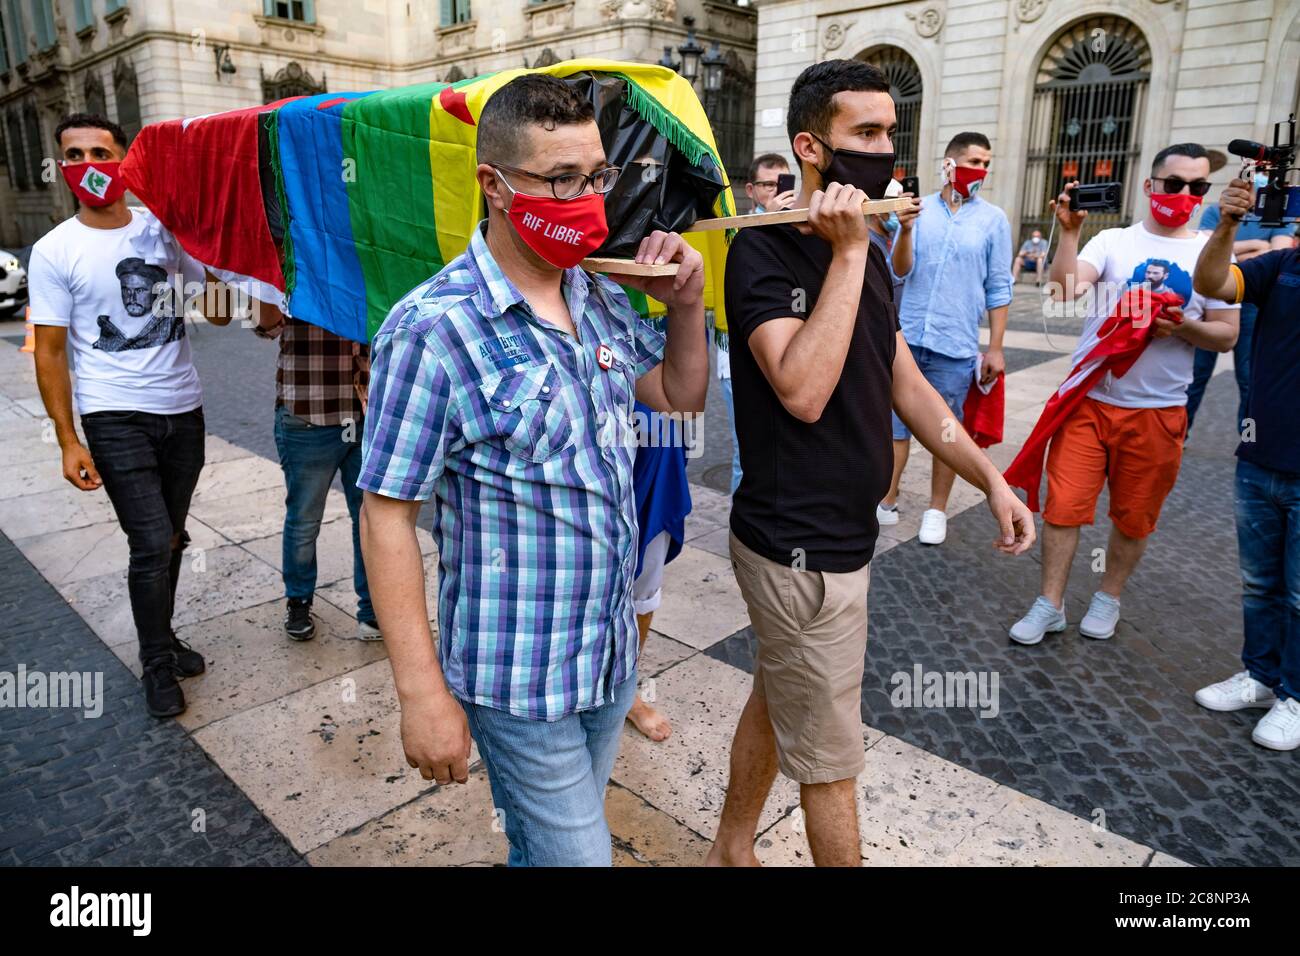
(321, 377)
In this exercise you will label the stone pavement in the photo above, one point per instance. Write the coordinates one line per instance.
(119, 788)
(1096, 755)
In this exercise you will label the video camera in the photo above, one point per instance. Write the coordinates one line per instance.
(1102, 196)
(1278, 202)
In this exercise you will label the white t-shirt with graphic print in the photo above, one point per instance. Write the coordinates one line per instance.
(126, 337)
(1132, 256)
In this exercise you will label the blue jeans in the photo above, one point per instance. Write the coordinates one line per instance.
(951, 378)
(1203, 368)
(1268, 540)
(548, 779)
(310, 455)
(729, 398)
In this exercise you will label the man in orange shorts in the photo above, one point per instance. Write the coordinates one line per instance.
(1128, 432)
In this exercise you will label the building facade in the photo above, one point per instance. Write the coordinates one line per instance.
(141, 61)
(1064, 89)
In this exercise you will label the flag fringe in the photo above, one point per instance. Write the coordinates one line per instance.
(271, 119)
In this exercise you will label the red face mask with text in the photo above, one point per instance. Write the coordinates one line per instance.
(94, 184)
(1173, 209)
(967, 180)
(561, 231)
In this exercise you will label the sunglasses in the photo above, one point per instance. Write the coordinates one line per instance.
(1172, 184)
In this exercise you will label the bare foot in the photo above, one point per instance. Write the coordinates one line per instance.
(649, 721)
(719, 857)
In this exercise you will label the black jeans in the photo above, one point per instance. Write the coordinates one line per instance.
(150, 465)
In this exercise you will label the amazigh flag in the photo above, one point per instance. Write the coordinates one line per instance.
(346, 201)
(1121, 339)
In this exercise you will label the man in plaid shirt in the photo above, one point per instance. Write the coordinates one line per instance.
(495, 387)
(320, 389)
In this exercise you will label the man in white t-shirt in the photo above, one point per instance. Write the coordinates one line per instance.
(1128, 431)
(108, 286)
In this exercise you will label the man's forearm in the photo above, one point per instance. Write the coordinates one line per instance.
(1211, 336)
(55, 386)
(686, 359)
(935, 426)
(997, 326)
(902, 253)
(1064, 265)
(1211, 277)
(395, 570)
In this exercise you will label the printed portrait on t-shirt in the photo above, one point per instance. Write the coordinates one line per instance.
(1161, 275)
(144, 294)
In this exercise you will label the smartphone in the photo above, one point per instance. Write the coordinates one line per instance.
(784, 183)
(1096, 196)
(912, 184)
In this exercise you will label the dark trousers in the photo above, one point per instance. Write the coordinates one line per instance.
(150, 465)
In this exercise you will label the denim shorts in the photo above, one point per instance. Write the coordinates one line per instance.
(951, 378)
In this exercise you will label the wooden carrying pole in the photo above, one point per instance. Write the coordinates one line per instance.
(872, 207)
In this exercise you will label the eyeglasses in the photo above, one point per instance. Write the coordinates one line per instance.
(571, 185)
(1172, 184)
(764, 184)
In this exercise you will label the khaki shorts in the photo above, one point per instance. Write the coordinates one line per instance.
(812, 647)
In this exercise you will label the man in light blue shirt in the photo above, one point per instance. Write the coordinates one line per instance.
(960, 269)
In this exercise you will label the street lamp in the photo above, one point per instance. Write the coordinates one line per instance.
(224, 64)
(667, 60)
(691, 52)
(715, 65)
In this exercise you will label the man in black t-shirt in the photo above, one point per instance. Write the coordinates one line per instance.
(817, 362)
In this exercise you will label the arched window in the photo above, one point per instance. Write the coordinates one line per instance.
(547, 57)
(905, 87)
(127, 95)
(1085, 118)
(93, 89)
(292, 80)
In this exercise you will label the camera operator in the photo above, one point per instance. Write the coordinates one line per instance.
(1128, 430)
(1268, 477)
(1253, 239)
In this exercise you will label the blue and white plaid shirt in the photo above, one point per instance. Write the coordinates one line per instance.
(504, 420)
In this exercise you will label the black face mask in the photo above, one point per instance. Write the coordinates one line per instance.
(870, 172)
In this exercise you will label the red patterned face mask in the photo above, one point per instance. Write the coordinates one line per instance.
(561, 231)
(94, 184)
(1173, 209)
(967, 180)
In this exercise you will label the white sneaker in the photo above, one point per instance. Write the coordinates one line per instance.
(1279, 729)
(934, 526)
(1103, 614)
(1236, 693)
(368, 632)
(1044, 617)
(886, 514)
